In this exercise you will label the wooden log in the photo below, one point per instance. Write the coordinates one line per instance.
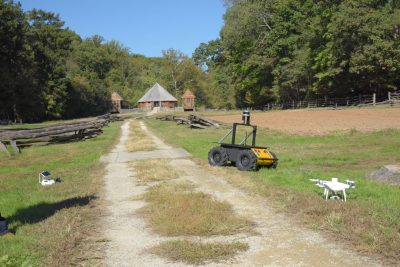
(59, 138)
(182, 121)
(196, 125)
(206, 121)
(4, 148)
(46, 132)
(57, 126)
(202, 121)
(77, 129)
(13, 144)
(180, 118)
(53, 127)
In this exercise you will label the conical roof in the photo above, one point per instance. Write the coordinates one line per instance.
(115, 96)
(188, 94)
(157, 93)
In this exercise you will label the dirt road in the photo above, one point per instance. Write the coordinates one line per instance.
(317, 122)
(276, 241)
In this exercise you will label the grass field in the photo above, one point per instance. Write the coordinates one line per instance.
(51, 223)
(369, 221)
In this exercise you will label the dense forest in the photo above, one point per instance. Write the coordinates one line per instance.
(48, 72)
(284, 50)
(268, 51)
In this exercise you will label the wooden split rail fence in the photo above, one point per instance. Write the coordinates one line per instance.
(392, 98)
(68, 130)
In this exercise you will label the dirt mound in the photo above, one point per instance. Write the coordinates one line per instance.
(318, 122)
(387, 174)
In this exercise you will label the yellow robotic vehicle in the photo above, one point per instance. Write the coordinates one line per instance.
(246, 157)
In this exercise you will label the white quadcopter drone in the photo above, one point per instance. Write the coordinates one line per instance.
(334, 186)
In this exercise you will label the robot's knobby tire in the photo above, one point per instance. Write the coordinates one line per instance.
(218, 156)
(246, 161)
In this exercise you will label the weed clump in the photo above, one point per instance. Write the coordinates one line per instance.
(198, 253)
(153, 170)
(175, 209)
(138, 139)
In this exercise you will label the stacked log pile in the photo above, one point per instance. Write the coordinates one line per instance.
(68, 130)
(193, 121)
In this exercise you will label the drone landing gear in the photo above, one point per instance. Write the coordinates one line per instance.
(335, 197)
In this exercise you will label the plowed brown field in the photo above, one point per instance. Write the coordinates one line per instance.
(318, 122)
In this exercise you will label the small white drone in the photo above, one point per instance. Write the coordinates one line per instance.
(334, 186)
(44, 179)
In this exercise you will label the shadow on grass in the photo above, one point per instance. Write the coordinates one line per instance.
(41, 211)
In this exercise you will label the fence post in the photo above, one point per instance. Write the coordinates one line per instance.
(374, 99)
(389, 96)
(292, 104)
(347, 101)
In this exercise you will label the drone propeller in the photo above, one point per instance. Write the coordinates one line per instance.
(351, 183)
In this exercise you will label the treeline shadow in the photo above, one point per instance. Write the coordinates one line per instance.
(41, 211)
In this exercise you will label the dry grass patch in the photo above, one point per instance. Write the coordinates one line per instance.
(242, 180)
(138, 139)
(57, 225)
(198, 253)
(153, 170)
(336, 219)
(175, 209)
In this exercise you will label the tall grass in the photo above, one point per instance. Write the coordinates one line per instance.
(370, 220)
(51, 223)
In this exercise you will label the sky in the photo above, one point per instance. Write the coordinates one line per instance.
(144, 26)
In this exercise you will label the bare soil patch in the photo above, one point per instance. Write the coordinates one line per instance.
(318, 122)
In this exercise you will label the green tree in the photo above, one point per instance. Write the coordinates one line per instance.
(15, 65)
(362, 53)
(292, 50)
(173, 63)
(51, 44)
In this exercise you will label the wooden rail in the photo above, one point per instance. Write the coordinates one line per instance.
(68, 130)
(192, 120)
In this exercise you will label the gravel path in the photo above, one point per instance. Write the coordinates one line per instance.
(278, 242)
(126, 233)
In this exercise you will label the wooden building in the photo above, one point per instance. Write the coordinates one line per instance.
(157, 96)
(116, 101)
(188, 99)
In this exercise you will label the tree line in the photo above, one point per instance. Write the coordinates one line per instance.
(268, 51)
(293, 50)
(47, 71)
